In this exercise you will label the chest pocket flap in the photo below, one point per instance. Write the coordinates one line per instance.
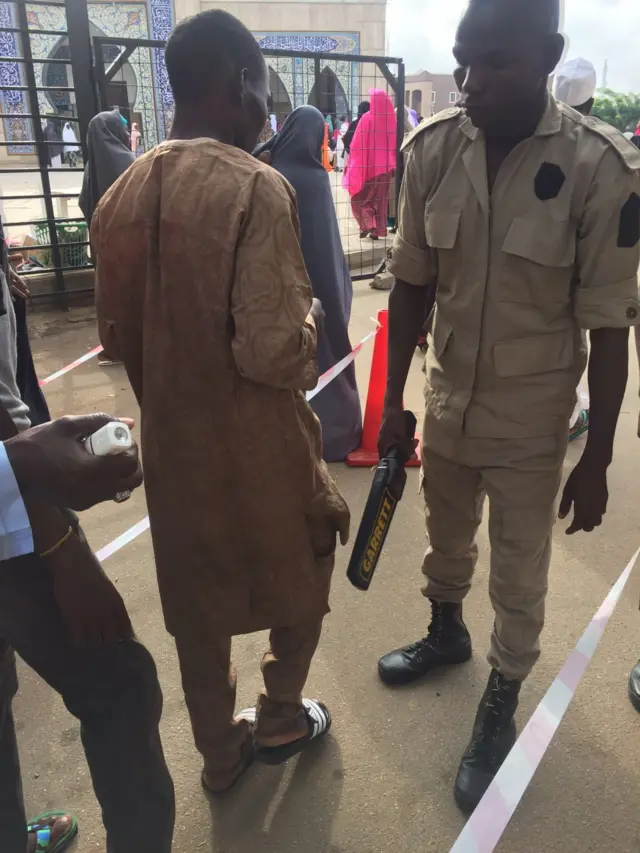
(550, 244)
(441, 229)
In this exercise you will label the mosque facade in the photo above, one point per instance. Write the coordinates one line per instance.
(312, 26)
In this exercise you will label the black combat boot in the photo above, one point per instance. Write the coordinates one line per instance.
(448, 642)
(494, 733)
(634, 686)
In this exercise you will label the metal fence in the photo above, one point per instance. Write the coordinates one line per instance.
(40, 102)
(131, 76)
(53, 80)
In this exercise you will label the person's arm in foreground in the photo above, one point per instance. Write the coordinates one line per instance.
(51, 464)
(50, 460)
(410, 300)
(606, 303)
(273, 311)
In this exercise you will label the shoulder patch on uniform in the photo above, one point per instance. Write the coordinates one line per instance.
(629, 228)
(425, 124)
(549, 181)
(628, 153)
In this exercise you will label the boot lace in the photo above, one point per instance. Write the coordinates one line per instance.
(484, 743)
(434, 634)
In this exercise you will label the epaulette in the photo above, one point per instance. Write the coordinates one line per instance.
(628, 153)
(425, 124)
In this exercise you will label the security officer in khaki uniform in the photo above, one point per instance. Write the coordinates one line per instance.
(525, 216)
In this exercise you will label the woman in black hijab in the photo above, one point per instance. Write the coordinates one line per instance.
(363, 107)
(109, 156)
(295, 151)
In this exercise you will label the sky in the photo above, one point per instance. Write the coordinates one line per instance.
(421, 32)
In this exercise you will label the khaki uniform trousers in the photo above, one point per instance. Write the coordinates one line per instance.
(209, 684)
(521, 478)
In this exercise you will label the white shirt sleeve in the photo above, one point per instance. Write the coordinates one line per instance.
(16, 538)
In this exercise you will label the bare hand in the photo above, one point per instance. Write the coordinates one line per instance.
(585, 490)
(18, 285)
(393, 432)
(52, 465)
(91, 606)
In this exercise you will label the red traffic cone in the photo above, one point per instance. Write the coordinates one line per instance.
(366, 456)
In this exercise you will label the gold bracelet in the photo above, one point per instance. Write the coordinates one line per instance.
(58, 544)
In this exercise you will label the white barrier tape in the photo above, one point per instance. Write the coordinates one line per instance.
(91, 354)
(490, 819)
(135, 531)
(340, 366)
(124, 539)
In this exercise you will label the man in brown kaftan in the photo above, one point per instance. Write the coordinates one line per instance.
(203, 294)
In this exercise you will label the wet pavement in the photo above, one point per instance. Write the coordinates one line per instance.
(381, 783)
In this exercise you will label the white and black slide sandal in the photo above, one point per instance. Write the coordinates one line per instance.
(319, 722)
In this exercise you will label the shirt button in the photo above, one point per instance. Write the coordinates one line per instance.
(632, 313)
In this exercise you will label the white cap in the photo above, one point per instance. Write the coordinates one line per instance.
(575, 82)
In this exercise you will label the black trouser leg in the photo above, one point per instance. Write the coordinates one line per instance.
(114, 692)
(13, 821)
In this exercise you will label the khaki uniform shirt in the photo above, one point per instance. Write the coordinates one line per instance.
(552, 250)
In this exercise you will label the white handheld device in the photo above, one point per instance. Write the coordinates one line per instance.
(114, 437)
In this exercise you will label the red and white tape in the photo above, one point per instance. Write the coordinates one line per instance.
(324, 380)
(89, 355)
(490, 819)
(340, 366)
(135, 531)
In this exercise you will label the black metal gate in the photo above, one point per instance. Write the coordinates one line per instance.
(334, 82)
(59, 90)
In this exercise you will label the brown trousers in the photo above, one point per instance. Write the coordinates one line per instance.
(209, 684)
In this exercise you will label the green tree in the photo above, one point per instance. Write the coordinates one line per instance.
(616, 108)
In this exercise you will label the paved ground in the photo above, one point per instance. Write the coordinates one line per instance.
(382, 782)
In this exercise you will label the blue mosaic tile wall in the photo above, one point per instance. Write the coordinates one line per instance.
(153, 98)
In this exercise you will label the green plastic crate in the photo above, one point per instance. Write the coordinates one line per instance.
(68, 232)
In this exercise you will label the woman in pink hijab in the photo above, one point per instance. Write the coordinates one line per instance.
(372, 163)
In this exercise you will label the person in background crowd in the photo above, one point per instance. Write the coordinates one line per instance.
(415, 119)
(244, 514)
(26, 376)
(327, 154)
(575, 85)
(372, 163)
(410, 121)
(522, 216)
(266, 133)
(363, 107)
(109, 156)
(136, 139)
(295, 152)
(340, 150)
(53, 142)
(71, 147)
(273, 121)
(409, 125)
(66, 620)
